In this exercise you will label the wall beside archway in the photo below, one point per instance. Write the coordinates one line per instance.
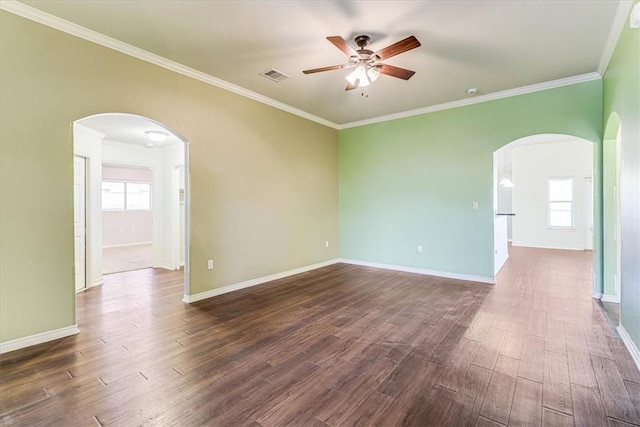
(414, 181)
(263, 181)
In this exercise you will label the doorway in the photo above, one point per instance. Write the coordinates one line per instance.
(127, 218)
(116, 143)
(543, 195)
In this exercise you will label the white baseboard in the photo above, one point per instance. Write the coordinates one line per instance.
(631, 346)
(504, 261)
(596, 295)
(467, 277)
(168, 267)
(610, 298)
(520, 245)
(40, 338)
(98, 282)
(126, 245)
(254, 282)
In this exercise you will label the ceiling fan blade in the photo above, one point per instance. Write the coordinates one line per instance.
(353, 86)
(329, 68)
(342, 44)
(400, 73)
(397, 48)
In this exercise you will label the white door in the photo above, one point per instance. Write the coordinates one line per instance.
(588, 212)
(79, 220)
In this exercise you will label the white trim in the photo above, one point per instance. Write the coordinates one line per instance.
(467, 277)
(254, 282)
(478, 99)
(619, 21)
(634, 16)
(60, 24)
(548, 247)
(168, 267)
(98, 282)
(88, 130)
(126, 244)
(504, 261)
(596, 295)
(631, 346)
(610, 298)
(40, 338)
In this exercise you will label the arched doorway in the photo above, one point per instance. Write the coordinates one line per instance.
(125, 141)
(544, 195)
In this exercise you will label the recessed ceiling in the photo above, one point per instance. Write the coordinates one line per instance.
(491, 45)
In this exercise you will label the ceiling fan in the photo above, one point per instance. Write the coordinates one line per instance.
(367, 63)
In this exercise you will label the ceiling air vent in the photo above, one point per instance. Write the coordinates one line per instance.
(275, 75)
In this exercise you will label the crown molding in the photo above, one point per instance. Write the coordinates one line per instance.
(619, 21)
(63, 25)
(478, 99)
(60, 24)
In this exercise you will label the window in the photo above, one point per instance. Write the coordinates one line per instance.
(112, 196)
(130, 196)
(138, 196)
(560, 191)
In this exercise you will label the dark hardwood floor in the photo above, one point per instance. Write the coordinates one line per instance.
(340, 346)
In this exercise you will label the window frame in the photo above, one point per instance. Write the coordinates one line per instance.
(125, 204)
(572, 202)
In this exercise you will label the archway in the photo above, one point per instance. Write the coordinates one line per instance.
(611, 209)
(127, 136)
(552, 203)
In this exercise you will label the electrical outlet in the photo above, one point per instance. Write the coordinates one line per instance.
(326, 243)
(210, 264)
(420, 249)
(475, 205)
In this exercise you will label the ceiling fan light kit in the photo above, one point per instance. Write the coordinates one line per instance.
(367, 63)
(363, 76)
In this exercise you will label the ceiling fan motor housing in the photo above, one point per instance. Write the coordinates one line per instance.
(362, 41)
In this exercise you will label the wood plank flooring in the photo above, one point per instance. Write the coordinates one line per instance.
(340, 346)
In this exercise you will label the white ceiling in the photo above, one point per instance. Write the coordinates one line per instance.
(491, 45)
(128, 128)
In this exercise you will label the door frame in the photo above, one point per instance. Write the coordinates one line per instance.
(597, 277)
(588, 213)
(83, 209)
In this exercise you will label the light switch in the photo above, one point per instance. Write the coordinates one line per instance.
(475, 205)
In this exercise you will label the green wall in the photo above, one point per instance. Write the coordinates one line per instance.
(264, 183)
(412, 181)
(622, 96)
